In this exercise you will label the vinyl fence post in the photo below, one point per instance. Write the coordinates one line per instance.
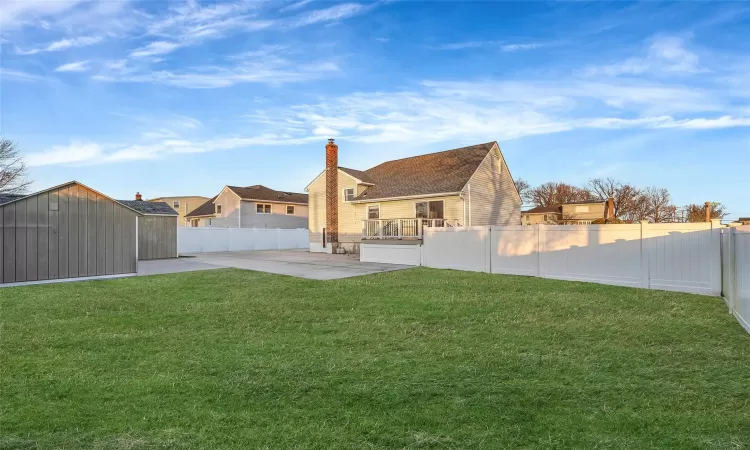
(715, 257)
(541, 235)
(645, 277)
(537, 248)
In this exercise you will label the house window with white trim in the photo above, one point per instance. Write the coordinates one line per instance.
(176, 204)
(348, 194)
(290, 210)
(429, 210)
(263, 208)
(373, 211)
(218, 209)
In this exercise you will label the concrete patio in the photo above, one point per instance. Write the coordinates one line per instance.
(297, 263)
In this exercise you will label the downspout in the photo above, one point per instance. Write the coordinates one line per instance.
(469, 191)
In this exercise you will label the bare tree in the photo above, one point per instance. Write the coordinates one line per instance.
(658, 205)
(524, 189)
(13, 173)
(697, 213)
(553, 193)
(624, 195)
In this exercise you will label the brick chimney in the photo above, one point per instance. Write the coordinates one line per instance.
(332, 194)
(138, 196)
(610, 208)
(708, 211)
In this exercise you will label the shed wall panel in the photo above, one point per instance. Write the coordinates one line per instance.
(62, 226)
(54, 235)
(42, 255)
(9, 243)
(21, 227)
(31, 238)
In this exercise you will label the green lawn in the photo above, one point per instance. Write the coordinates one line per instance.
(419, 358)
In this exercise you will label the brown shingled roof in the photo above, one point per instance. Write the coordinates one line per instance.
(259, 192)
(206, 209)
(544, 209)
(434, 173)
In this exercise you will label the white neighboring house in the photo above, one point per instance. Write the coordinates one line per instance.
(251, 207)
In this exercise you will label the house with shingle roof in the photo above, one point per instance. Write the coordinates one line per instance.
(394, 201)
(253, 206)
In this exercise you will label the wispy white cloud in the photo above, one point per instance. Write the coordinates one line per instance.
(337, 12)
(295, 6)
(76, 152)
(665, 54)
(63, 44)
(78, 66)
(505, 47)
(155, 48)
(263, 66)
(19, 75)
(18, 13)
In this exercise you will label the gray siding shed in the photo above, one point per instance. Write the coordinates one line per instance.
(67, 231)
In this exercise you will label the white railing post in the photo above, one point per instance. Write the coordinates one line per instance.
(364, 229)
(399, 229)
(380, 229)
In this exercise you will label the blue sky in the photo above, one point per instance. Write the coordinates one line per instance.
(182, 98)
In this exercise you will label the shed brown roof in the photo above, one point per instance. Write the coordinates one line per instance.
(434, 173)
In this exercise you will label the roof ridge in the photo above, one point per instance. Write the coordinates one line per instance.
(432, 153)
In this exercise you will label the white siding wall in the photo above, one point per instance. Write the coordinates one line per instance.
(491, 194)
(278, 217)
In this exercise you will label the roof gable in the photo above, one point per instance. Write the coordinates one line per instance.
(206, 209)
(434, 173)
(64, 185)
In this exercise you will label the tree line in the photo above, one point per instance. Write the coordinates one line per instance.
(631, 203)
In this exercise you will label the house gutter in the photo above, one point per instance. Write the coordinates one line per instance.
(380, 199)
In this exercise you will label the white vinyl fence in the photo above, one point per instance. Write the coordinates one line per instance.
(207, 239)
(677, 257)
(735, 255)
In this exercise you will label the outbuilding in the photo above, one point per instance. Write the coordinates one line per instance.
(157, 229)
(67, 231)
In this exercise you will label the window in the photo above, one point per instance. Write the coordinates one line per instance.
(218, 209)
(429, 210)
(194, 222)
(348, 194)
(176, 204)
(373, 211)
(582, 209)
(290, 209)
(263, 208)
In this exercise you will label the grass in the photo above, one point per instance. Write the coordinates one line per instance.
(411, 359)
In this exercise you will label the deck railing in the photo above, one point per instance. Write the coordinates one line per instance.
(401, 228)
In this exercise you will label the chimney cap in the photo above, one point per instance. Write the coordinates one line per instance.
(330, 140)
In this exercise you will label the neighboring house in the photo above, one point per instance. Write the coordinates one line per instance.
(251, 207)
(577, 213)
(397, 199)
(744, 220)
(182, 204)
